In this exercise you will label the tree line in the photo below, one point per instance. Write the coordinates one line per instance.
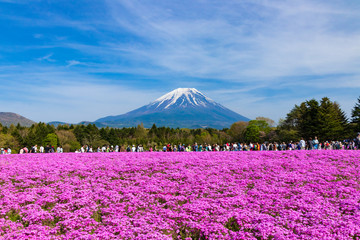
(323, 119)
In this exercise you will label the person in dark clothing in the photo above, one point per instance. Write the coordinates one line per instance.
(47, 149)
(310, 144)
(357, 141)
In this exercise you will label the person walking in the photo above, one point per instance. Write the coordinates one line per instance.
(357, 140)
(302, 144)
(310, 144)
(316, 143)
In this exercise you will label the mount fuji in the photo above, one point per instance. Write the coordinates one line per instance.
(183, 108)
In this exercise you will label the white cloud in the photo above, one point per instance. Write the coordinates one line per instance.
(278, 39)
(47, 95)
(243, 46)
(73, 63)
(47, 58)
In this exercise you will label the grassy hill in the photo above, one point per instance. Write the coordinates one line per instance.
(8, 118)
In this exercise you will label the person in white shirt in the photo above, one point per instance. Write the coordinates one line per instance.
(302, 144)
(34, 149)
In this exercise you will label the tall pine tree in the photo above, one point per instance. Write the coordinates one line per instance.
(333, 120)
(325, 120)
(355, 116)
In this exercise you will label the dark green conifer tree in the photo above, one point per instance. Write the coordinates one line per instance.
(355, 116)
(332, 120)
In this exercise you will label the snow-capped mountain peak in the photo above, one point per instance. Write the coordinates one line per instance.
(182, 97)
(183, 108)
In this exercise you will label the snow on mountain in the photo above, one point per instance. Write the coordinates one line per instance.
(182, 97)
(182, 107)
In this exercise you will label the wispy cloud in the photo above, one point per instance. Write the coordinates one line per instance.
(73, 63)
(280, 38)
(47, 58)
(258, 57)
(38, 35)
(85, 97)
(9, 1)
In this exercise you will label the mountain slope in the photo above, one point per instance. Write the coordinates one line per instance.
(183, 107)
(8, 118)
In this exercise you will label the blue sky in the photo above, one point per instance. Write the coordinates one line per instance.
(81, 60)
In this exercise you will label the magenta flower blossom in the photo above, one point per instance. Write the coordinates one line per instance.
(205, 195)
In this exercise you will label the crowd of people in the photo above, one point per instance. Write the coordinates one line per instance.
(310, 144)
(5, 150)
(35, 149)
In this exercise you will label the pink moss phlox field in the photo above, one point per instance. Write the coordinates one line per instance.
(205, 195)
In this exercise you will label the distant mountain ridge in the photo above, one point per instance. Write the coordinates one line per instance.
(8, 118)
(183, 108)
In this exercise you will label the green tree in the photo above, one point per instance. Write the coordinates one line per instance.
(51, 139)
(87, 134)
(7, 140)
(304, 119)
(262, 124)
(252, 133)
(153, 131)
(325, 120)
(310, 121)
(355, 116)
(332, 124)
(72, 146)
(237, 131)
(67, 140)
(257, 130)
(270, 122)
(140, 132)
